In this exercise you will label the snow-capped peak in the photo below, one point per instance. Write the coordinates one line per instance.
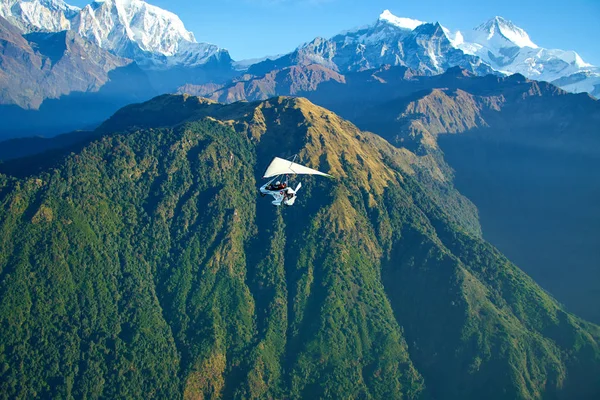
(109, 22)
(399, 22)
(130, 10)
(508, 49)
(38, 15)
(128, 28)
(501, 28)
(455, 38)
(148, 34)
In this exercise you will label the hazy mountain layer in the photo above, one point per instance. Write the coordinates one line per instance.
(290, 81)
(43, 66)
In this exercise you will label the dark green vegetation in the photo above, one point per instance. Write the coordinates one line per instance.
(527, 154)
(146, 266)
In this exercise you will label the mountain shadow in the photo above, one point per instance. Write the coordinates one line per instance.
(526, 154)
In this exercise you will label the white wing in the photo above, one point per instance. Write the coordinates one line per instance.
(279, 166)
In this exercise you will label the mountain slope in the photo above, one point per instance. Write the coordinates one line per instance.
(586, 81)
(51, 83)
(551, 117)
(292, 81)
(525, 153)
(328, 88)
(43, 66)
(148, 267)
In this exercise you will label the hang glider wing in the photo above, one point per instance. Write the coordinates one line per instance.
(279, 166)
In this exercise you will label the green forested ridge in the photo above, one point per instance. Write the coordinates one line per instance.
(146, 266)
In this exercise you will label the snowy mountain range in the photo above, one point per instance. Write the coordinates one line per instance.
(423, 47)
(153, 37)
(158, 40)
(497, 46)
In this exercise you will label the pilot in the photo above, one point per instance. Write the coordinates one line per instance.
(279, 186)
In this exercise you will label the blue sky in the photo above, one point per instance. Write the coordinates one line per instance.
(254, 28)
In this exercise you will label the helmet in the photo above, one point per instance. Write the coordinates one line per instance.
(278, 183)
